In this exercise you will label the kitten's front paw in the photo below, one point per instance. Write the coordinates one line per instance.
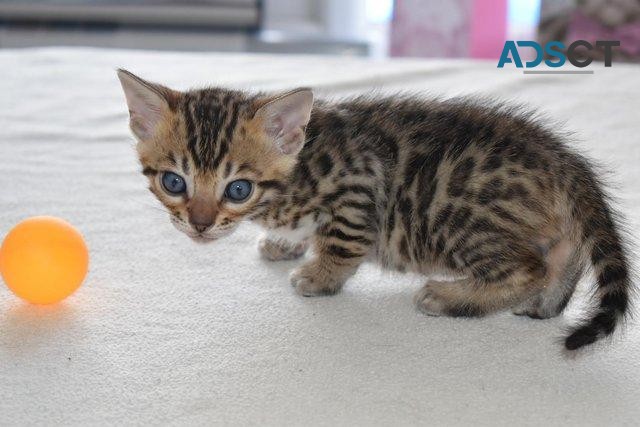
(311, 281)
(279, 250)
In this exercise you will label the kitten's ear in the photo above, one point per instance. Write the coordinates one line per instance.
(285, 117)
(147, 103)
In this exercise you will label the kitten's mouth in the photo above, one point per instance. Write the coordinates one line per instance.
(209, 237)
(199, 238)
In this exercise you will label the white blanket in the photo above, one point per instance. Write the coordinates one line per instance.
(167, 331)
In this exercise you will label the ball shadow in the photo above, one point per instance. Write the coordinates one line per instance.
(27, 327)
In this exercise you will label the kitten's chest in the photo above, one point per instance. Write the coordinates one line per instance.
(296, 228)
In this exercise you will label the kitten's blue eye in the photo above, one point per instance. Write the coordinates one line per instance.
(173, 183)
(238, 190)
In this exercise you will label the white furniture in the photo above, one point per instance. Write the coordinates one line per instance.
(165, 331)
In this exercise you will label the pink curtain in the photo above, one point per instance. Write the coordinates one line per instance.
(452, 28)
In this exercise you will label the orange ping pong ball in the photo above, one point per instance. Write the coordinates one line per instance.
(43, 259)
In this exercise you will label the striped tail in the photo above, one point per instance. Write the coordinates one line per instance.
(603, 244)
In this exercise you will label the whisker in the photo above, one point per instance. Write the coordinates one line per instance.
(146, 204)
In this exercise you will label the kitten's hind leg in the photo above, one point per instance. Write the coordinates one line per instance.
(273, 249)
(489, 288)
(563, 277)
(552, 300)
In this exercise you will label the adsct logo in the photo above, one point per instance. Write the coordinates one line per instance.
(557, 56)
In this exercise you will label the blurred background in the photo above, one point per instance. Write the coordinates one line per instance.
(376, 28)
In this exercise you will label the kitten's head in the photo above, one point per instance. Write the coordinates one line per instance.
(214, 156)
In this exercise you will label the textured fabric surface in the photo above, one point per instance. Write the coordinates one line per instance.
(167, 331)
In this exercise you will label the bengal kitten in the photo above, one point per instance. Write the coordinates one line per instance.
(482, 193)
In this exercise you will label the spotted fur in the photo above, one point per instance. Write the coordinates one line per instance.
(480, 192)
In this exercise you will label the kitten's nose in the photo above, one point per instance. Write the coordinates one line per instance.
(201, 215)
(201, 227)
